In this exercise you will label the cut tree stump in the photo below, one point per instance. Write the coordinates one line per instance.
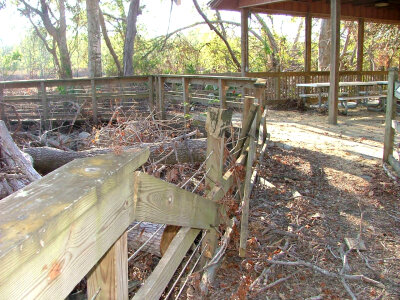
(16, 169)
(46, 159)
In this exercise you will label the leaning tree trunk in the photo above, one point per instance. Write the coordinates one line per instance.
(46, 159)
(16, 169)
(94, 37)
(324, 45)
(130, 36)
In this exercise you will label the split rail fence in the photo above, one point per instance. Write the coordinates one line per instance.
(73, 222)
(391, 150)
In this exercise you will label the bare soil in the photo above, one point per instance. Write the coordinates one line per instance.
(327, 184)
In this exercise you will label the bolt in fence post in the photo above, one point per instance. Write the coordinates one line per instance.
(94, 101)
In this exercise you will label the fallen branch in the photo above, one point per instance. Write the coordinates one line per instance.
(328, 273)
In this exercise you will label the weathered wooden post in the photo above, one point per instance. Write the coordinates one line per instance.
(109, 278)
(94, 101)
(161, 95)
(390, 114)
(222, 93)
(151, 93)
(2, 107)
(244, 223)
(217, 122)
(45, 107)
(185, 96)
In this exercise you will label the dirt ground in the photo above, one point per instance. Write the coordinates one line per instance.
(318, 185)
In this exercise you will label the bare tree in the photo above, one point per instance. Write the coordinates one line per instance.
(56, 28)
(130, 36)
(324, 45)
(94, 37)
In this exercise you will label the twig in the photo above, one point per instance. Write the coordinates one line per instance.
(328, 273)
(271, 285)
(348, 289)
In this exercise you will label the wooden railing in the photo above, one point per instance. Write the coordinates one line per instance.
(72, 222)
(391, 150)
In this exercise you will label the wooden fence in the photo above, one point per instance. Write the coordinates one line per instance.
(98, 98)
(391, 150)
(72, 222)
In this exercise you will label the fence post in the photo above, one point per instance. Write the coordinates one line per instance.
(94, 101)
(244, 222)
(185, 95)
(390, 114)
(2, 107)
(109, 277)
(216, 124)
(45, 107)
(161, 96)
(222, 93)
(151, 93)
(278, 85)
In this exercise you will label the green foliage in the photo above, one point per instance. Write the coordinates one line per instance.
(9, 62)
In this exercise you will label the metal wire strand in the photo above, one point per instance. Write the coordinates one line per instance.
(184, 267)
(198, 170)
(133, 227)
(190, 273)
(145, 243)
(204, 176)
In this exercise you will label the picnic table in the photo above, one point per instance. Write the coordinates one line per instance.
(344, 97)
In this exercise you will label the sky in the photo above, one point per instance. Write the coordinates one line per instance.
(155, 18)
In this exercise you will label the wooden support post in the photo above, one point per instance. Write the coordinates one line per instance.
(278, 86)
(360, 47)
(247, 103)
(260, 96)
(222, 93)
(390, 114)
(45, 105)
(307, 57)
(185, 95)
(2, 107)
(334, 67)
(151, 93)
(161, 96)
(217, 122)
(109, 278)
(244, 41)
(94, 101)
(244, 223)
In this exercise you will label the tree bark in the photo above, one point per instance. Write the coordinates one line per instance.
(46, 159)
(130, 36)
(94, 38)
(15, 168)
(324, 45)
(158, 244)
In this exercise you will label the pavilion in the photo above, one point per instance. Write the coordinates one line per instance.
(379, 11)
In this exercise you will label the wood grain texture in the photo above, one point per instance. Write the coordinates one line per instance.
(60, 226)
(162, 274)
(109, 278)
(161, 202)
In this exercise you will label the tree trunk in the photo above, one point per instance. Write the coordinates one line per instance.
(130, 36)
(158, 244)
(324, 45)
(47, 159)
(94, 37)
(16, 170)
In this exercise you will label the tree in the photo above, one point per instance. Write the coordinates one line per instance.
(94, 38)
(130, 37)
(324, 45)
(55, 27)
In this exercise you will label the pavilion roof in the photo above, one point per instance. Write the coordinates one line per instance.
(380, 11)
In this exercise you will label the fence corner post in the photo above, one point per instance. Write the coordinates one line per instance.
(45, 106)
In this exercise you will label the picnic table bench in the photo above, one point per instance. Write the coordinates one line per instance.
(344, 97)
